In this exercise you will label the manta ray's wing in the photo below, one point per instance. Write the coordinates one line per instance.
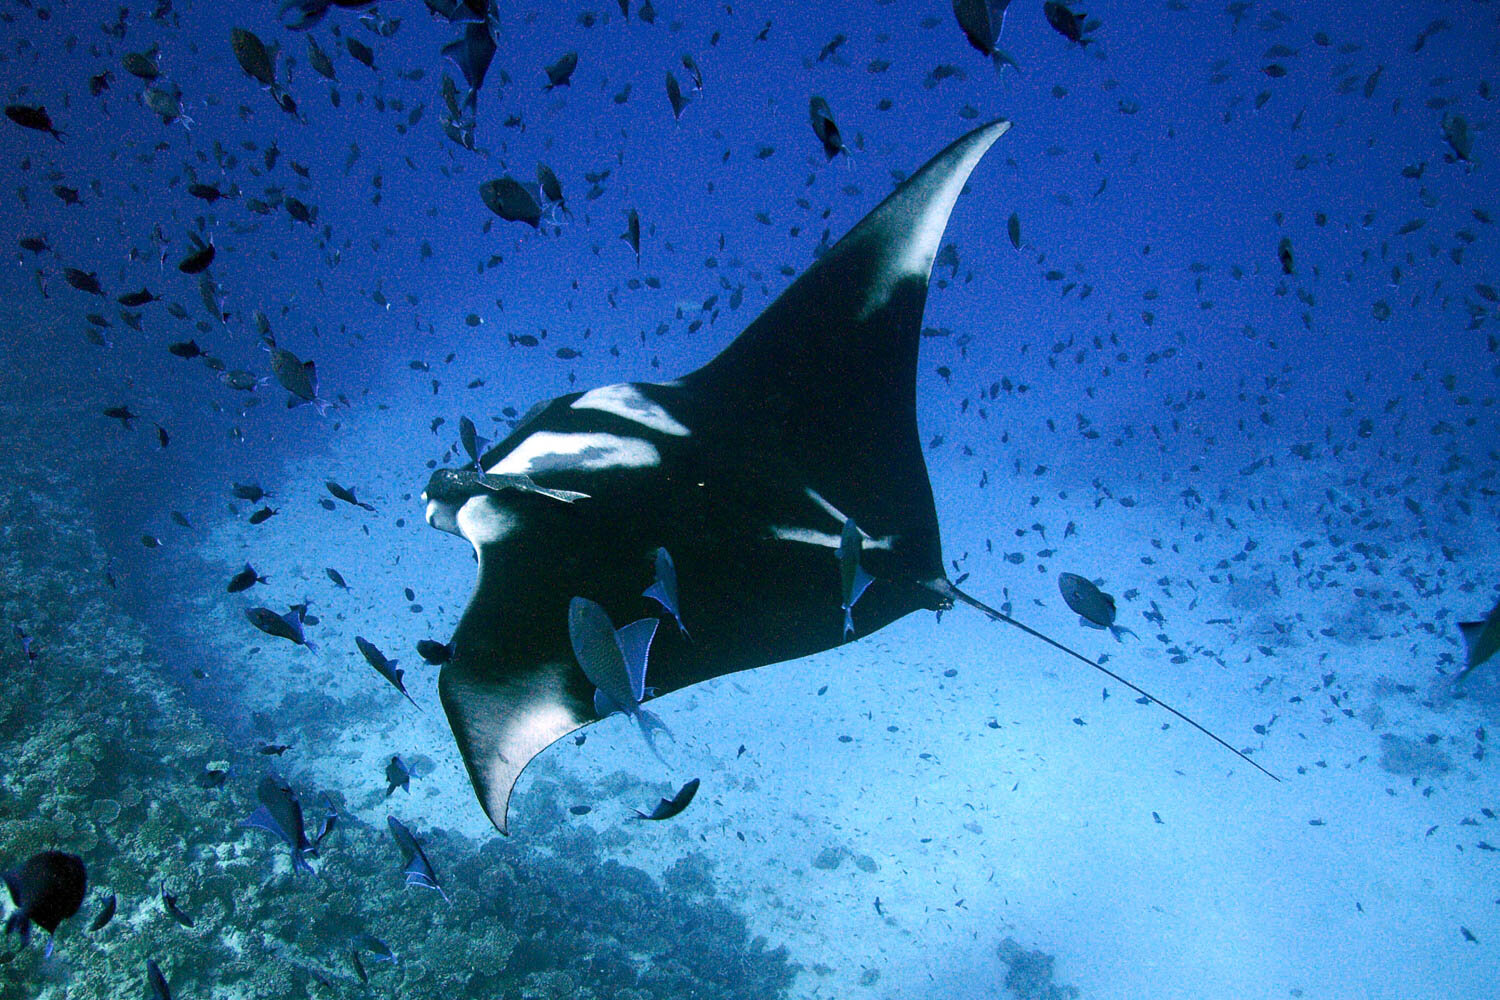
(806, 419)
(842, 340)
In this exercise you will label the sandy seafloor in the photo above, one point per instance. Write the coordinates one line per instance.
(892, 810)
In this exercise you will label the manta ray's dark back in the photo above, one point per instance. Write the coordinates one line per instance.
(744, 470)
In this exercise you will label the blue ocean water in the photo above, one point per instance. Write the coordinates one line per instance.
(1212, 325)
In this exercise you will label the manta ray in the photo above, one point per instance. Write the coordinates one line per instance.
(747, 471)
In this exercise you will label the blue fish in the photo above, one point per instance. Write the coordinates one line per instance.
(280, 814)
(418, 870)
(664, 589)
(853, 580)
(614, 661)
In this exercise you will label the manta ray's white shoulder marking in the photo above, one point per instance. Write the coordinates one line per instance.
(552, 450)
(482, 520)
(627, 402)
(827, 539)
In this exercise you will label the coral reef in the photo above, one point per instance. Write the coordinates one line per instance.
(1030, 974)
(99, 753)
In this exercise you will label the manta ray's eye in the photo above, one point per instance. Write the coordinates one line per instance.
(449, 486)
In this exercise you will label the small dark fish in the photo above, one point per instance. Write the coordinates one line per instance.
(511, 200)
(1094, 606)
(632, 233)
(1482, 639)
(473, 54)
(106, 914)
(250, 52)
(664, 589)
(199, 259)
(185, 349)
(273, 749)
(162, 437)
(560, 73)
(165, 101)
(156, 983)
(359, 968)
(122, 414)
(1459, 139)
(330, 821)
(372, 944)
(397, 776)
(26, 646)
(287, 626)
(32, 117)
(691, 65)
(417, 871)
(151, 541)
(433, 652)
(824, 128)
(667, 808)
(143, 65)
(550, 186)
(99, 83)
(35, 244)
(360, 51)
(319, 61)
(384, 667)
(140, 298)
(345, 494)
(169, 902)
(251, 492)
(468, 436)
(245, 579)
(1072, 26)
(298, 377)
(46, 889)
(299, 15)
(263, 515)
(982, 21)
(580, 810)
(1284, 255)
(211, 777)
(280, 814)
(675, 96)
(207, 192)
(84, 281)
(336, 577)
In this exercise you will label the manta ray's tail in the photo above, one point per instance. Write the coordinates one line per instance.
(945, 589)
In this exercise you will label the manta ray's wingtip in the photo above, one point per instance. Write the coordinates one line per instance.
(502, 720)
